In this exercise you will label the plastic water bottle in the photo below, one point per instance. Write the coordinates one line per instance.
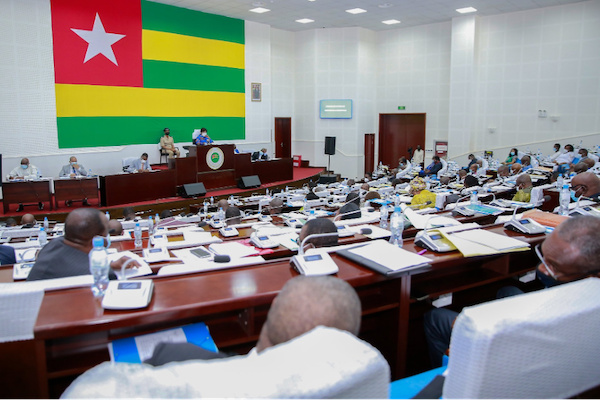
(205, 206)
(107, 216)
(89, 172)
(137, 235)
(99, 266)
(565, 199)
(46, 224)
(221, 214)
(559, 181)
(156, 219)
(212, 200)
(150, 225)
(474, 199)
(306, 206)
(42, 237)
(397, 227)
(383, 219)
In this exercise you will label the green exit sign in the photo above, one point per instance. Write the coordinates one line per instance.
(401, 108)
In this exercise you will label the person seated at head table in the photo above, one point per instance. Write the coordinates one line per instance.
(503, 171)
(513, 157)
(115, 228)
(349, 211)
(7, 255)
(568, 254)
(233, 215)
(28, 220)
(203, 139)
(68, 255)
(526, 163)
(140, 165)
(515, 169)
(297, 309)
(24, 170)
(524, 187)
(128, 214)
(586, 184)
(422, 198)
(72, 169)
(167, 144)
(235, 149)
(275, 206)
(260, 155)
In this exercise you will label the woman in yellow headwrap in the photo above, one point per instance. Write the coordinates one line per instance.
(420, 194)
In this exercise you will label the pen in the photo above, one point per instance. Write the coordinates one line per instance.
(422, 252)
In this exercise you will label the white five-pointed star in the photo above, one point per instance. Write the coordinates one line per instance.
(99, 41)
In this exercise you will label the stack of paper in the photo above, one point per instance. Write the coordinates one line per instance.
(233, 249)
(478, 242)
(143, 269)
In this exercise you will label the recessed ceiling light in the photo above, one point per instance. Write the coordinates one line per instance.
(305, 20)
(311, 0)
(466, 10)
(260, 10)
(258, 4)
(356, 11)
(385, 5)
(391, 22)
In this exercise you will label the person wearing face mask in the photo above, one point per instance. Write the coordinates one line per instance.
(72, 169)
(25, 170)
(557, 152)
(586, 184)
(140, 165)
(167, 144)
(68, 254)
(563, 160)
(524, 187)
(569, 253)
(404, 167)
(203, 139)
(513, 157)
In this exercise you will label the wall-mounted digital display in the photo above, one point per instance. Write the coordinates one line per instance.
(336, 109)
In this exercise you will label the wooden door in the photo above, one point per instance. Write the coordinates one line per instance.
(283, 137)
(398, 133)
(369, 152)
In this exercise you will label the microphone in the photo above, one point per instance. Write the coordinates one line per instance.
(339, 216)
(125, 264)
(314, 236)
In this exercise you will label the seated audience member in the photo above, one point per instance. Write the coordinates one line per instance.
(524, 187)
(68, 254)
(297, 309)
(314, 227)
(373, 196)
(28, 220)
(311, 195)
(422, 198)
(140, 165)
(526, 163)
(444, 181)
(72, 169)
(203, 139)
(275, 206)
(128, 214)
(10, 222)
(586, 184)
(589, 162)
(353, 197)
(515, 169)
(474, 169)
(349, 211)
(503, 171)
(513, 157)
(579, 167)
(115, 228)
(7, 255)
(351, 182)
(568, 254)
(471, 181)
(557, 152)
(404, 167)
(233, 215)
(472, 160)
(461, 176)
(433, 168)
(167, 144)
(25, 170)
(166, 214)
(566, 158)
(222, 204)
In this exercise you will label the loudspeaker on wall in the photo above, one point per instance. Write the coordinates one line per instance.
(330, 145)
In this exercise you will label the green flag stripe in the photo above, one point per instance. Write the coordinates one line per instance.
(170, 75)
(165, 18)
(115, 131)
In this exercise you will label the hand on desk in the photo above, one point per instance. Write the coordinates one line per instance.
(118, 264)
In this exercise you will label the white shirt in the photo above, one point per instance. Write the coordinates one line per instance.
(30, 172)
(405, 171)
(566, 158)
(418, 156)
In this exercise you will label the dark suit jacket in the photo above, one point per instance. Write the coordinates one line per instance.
(7, 255)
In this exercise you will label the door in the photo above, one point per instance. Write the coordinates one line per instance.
(398, 133)
(283, 137)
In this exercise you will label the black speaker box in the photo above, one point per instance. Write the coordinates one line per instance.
(247, 182)
(330, 145)
(193, 190)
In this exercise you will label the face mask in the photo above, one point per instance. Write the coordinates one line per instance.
(106, 240)
(573, 195)
(24, 166)
(74, 163)
(512, 153)
(143, 162)
(547, 280)
(556, 149)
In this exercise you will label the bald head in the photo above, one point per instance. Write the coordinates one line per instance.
(28, 219)
(307, 302)
(115, 228)
(589, 162)
(516, 168)
(524, 181)
(503, 171)
(586, 184)
(525, 160)
(223, 204)
(575, 245)
(83, 224)
(275, 206)
(580, 167)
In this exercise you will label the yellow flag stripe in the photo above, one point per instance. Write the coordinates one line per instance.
(164, 46)
(105, 101)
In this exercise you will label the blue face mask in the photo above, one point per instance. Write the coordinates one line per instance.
(547, 280)
(512, 153)
(24, 166)
(573, 195)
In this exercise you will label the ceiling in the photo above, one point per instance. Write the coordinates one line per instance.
(332, 13)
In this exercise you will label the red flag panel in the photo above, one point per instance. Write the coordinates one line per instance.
(97, 42)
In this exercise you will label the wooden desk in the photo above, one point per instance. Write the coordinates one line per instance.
(75, 189)
(26, 192)
(131, 188)
(233, 303)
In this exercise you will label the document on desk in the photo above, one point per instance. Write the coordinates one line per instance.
(478, 242)
(233, 249)
(140, 348)
(376, 232)
(432, 221)
(383, 257)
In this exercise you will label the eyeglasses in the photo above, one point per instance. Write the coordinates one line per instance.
(554, 275)
(577, 187)
(538, 252)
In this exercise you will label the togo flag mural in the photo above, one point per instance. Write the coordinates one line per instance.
(125, 69)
